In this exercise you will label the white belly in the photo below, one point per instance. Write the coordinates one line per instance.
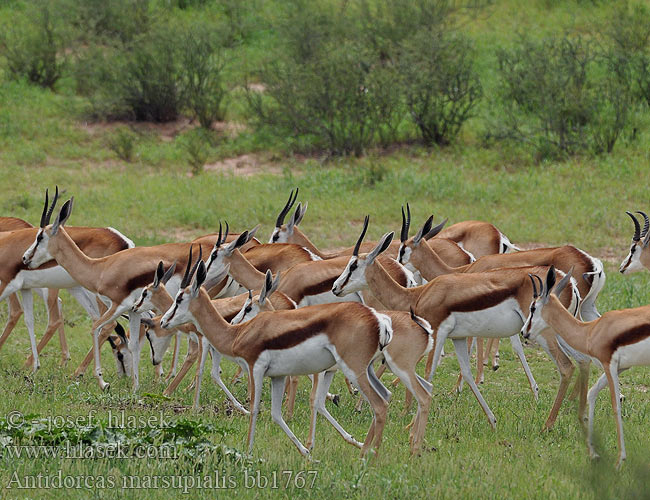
(634, 354)
(311, 356)
(54, 277)
(498, 321)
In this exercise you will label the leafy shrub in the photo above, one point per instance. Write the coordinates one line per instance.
(441, 86)
(201, 67)
(628, 34)
(559, 95)
(120, 20)
(33, 47)
(197, 147)
(122, 143)
(150, 83)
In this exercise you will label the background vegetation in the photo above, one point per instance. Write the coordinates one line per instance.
(163, 117)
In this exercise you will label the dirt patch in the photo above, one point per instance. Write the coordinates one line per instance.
(167, 132)
(244, 165)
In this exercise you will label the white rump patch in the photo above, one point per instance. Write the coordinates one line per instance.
(129, 243)
(385, 328)
(311, 254)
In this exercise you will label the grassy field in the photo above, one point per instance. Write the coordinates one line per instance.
(45, 140)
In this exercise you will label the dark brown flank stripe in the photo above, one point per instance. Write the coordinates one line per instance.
(141, 280)
(631, 336)
(484, 301)
(317, 288)
(296, 336)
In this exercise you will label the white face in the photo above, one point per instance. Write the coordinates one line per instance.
(123, 360)
(179, 313)
(37, 254)
(249, 310)
(352, 279)
(144, 303)
(632, 263)
(280, 235)
(534, 324)
(404, 257)
(159, 346)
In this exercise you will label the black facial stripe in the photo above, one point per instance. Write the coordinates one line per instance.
(153, 354)
(120, 358)
(276, 237)
(402, 252)
(353, 266)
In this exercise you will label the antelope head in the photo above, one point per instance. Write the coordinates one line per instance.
(639, 255)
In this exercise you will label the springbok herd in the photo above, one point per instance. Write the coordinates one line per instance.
(395, 301)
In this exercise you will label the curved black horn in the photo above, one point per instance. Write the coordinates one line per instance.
(646, 223)
(250, 294)
(225, 235)
(186, 281)
(49, 212)
(406, 224)
(287, 207)
(363, 234)
(218, 244)
(198, 261)
(535, 294)
(47, 202)
(637, 227)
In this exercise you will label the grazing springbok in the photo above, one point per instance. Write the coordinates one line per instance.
(616, 341)
(455, 299)
(639, 256)
(297, 342)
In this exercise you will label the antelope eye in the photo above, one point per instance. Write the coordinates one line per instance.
(353, 266)
(276, 237)
(179, 299)
(248, 309)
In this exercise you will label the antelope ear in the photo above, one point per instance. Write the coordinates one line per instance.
(550, 281)
(423, 230)
(148, 322)
(112, 339)
(160, 272)
(276, 283)
(252, 232)
(646, 240)
(239, 242)
(298, 218)
(266, 287)
(201, 274)
(292, 220)
(63, 216)
(435, 230)
(168, 274)
(383, 244)
(563, 283)
(119, 329)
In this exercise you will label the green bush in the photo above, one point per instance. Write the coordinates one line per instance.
(33, 47)
(122, 143)
(108, 20)
(201, 68)
(559, 95)
(441, 85)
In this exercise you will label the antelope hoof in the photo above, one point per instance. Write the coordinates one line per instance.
(105, 386)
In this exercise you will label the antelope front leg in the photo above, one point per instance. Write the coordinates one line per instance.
(135, 347)
(15, 312)
(54, 323)
(519, 349)
(28, 304)
(591, 398)
(192, 355)
(463, 359)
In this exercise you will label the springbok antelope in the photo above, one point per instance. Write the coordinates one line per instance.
(616, 341)
(50, 297)
(15, 276)
(155, 296)
(591, 270)
(454, 299)
(118, 279)
(449, 250)
(639, 256)
(297, 342)
(412, 339)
